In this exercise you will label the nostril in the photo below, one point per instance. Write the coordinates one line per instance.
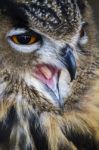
(69, 61)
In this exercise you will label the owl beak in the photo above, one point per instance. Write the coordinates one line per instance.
(49, 75)
(69, 61)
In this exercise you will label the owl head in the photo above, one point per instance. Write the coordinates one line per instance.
(41, 48)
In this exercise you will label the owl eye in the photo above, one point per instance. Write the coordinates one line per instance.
(83, 37)
(82, 33)
(24, 39)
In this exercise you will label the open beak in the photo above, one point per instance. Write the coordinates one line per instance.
(49, 75)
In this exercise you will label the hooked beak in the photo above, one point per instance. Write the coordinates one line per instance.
(69, 61)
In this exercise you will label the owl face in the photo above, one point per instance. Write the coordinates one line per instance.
(39, 43)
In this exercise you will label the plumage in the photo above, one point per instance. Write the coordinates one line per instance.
(49, 76)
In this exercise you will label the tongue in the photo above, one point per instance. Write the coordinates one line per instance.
(46, 72)
(48, 75)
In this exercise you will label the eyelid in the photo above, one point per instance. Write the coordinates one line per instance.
(16, 32)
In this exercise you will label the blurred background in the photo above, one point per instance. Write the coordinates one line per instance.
(95, 6)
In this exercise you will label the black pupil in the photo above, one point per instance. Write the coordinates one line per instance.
(23, 39)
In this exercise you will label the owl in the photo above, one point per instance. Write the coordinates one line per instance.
(49, 71)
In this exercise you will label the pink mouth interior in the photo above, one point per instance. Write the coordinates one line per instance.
(47, 74)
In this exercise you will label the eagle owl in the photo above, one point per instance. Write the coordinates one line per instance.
(48, 76)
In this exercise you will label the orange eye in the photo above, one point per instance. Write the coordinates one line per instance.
(24, 39)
